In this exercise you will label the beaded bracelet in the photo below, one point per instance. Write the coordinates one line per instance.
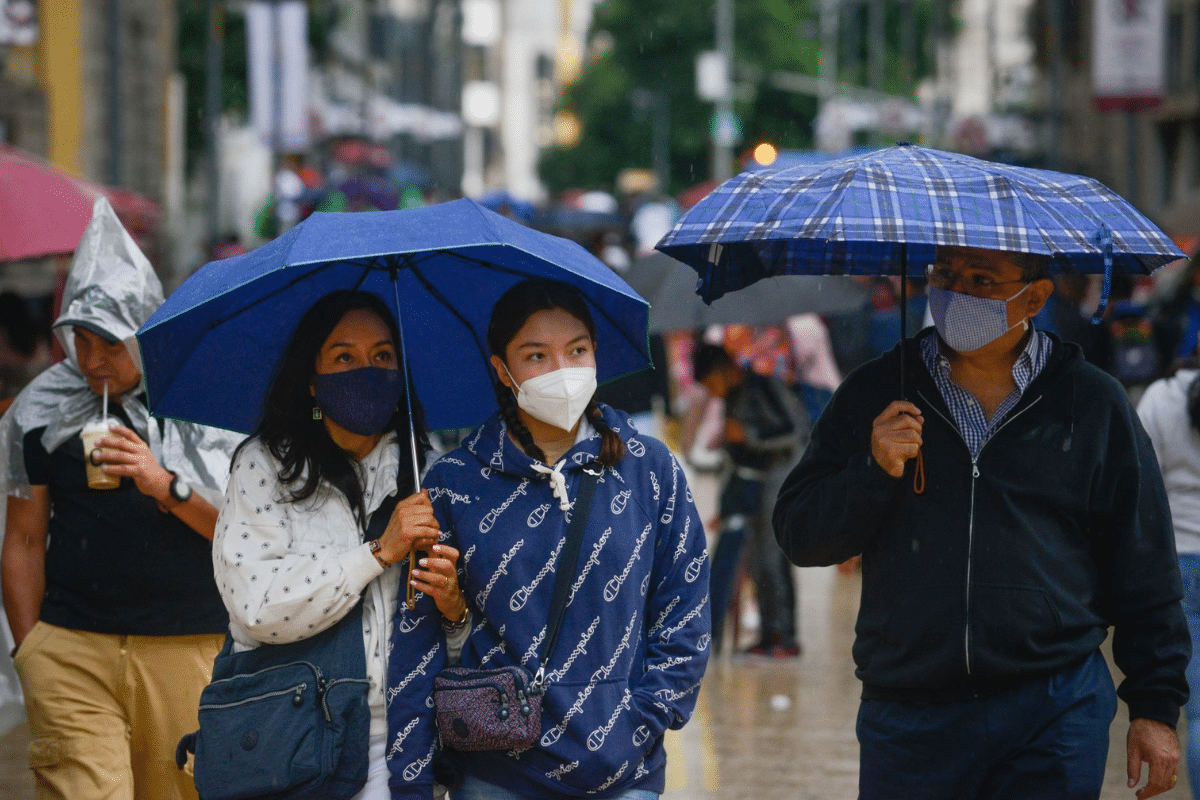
(449, 626)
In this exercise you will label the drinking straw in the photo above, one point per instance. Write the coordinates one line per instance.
(105, 404)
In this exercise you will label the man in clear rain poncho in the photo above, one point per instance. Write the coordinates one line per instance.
(109, 591)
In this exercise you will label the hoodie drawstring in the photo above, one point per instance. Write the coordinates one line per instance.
(558, 483)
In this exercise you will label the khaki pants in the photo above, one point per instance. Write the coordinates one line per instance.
(105, 712)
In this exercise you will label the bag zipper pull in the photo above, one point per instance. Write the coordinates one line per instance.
(539, 681)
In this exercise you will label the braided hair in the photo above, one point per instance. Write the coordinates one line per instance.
(509, 315)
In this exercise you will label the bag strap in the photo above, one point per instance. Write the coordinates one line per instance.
(380, 517)
(567, 563)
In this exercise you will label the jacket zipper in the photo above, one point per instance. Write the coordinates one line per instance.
(971, 517)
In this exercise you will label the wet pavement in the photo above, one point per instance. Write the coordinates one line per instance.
(783, 729)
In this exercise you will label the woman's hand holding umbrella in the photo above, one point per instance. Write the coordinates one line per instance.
(412, 527)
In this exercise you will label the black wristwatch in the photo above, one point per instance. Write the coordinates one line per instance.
(180, 491)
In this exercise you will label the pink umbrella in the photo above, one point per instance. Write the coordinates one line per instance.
(43, 211)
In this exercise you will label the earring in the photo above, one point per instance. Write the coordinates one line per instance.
(317, 412)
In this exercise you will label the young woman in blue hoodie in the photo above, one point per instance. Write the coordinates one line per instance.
(635, 634)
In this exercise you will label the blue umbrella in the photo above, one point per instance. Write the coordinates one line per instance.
(211, 349)
(885, 211)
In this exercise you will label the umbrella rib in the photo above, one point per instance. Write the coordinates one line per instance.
(371, 262)
(437, 295)
(218, 322)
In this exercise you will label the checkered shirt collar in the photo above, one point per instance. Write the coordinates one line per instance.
(964, 408)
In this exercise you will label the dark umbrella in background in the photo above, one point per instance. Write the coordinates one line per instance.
(670, 287)
(369, 192)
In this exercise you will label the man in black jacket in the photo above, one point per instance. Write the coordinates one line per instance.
(1032, 520)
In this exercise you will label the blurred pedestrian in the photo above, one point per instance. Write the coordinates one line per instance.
(1170, 410)
(812, 352)
(766, 428)
(1177, 314)
(1033, 519)
(24, 351)
(290, 554)
(635, 631)
(107, 562)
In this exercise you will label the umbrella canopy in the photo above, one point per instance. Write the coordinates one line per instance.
(670, 286)
(211, 349)
(886, 211)
(44, 211)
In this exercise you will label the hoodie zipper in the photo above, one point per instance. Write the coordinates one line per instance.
(971, 517)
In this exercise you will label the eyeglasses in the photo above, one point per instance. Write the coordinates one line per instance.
(977, 283)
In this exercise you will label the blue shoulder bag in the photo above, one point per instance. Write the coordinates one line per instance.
(287, 721)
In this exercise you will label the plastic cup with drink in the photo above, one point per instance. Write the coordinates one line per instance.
(92, 433)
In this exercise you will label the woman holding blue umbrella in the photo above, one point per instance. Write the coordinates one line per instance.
(289, 550)
(634, 636)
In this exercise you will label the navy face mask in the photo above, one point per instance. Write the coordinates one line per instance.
(360, 400)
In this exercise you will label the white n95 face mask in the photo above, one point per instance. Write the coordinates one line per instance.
(966, 322)
(557, 398)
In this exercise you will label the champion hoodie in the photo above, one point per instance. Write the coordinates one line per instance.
(635, 635)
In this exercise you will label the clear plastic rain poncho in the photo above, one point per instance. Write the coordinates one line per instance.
(111, 290)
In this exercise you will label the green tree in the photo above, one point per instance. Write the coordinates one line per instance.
(193, 43)
(652, 45)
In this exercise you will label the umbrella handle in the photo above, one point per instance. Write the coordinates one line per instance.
(919, 473)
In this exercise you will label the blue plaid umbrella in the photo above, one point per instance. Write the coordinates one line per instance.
(884, 213)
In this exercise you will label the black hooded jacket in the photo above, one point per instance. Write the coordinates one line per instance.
(1010, 565)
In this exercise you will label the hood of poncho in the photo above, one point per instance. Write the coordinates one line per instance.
(111, 290)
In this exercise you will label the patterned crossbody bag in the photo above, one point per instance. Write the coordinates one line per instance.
(501, 708)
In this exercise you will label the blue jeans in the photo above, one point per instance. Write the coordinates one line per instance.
(1045, 739)
(474, 789)
(745, 517)
(1189, 568)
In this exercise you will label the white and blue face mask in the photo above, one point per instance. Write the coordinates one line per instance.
(966, 322)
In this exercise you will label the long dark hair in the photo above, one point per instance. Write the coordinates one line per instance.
(302, 445)
(509, 315)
